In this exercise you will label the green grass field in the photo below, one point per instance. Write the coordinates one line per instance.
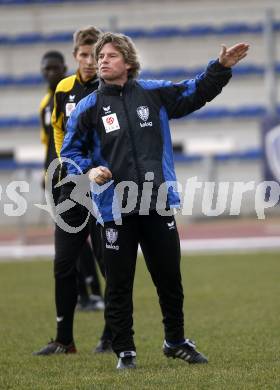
(232, 310)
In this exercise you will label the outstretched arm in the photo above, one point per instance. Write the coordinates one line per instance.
(230, 57)
(183, 98)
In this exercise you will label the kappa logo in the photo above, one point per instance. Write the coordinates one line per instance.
(72, 98)
(112, 236)
(107, 109)
(143, 112)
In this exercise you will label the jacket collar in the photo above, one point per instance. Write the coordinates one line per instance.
(112, 89)
(88, 83)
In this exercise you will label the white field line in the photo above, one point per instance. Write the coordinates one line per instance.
(196, 246)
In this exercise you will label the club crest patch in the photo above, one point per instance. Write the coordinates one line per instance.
(111, 235)
(143, 113)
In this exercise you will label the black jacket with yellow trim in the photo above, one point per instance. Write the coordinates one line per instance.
(46, 132)
(68, 93)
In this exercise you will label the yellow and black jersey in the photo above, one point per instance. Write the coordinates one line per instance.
(47, 135)
(68, 93)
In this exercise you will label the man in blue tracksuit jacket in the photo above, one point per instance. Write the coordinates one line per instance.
(119, 137)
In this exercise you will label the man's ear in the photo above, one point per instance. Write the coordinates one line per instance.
(127, 66)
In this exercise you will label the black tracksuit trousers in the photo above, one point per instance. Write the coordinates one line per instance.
(68, 247)
(159, 241)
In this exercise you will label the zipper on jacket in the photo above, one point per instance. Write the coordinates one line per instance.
(132, 141)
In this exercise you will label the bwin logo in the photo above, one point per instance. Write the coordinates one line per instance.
(143, 113)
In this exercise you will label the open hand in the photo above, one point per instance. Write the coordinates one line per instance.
(100, 175)
(230, 57)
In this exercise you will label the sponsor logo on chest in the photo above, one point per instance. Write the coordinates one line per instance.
(111, 122)
(70, 105)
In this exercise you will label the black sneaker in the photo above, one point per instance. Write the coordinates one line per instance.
(186, 352)
(127, 360)
(103, 346)
(53, 347)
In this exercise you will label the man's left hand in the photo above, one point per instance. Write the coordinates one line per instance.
(230, 57)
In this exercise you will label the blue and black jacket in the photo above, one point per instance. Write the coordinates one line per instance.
(127, 130)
